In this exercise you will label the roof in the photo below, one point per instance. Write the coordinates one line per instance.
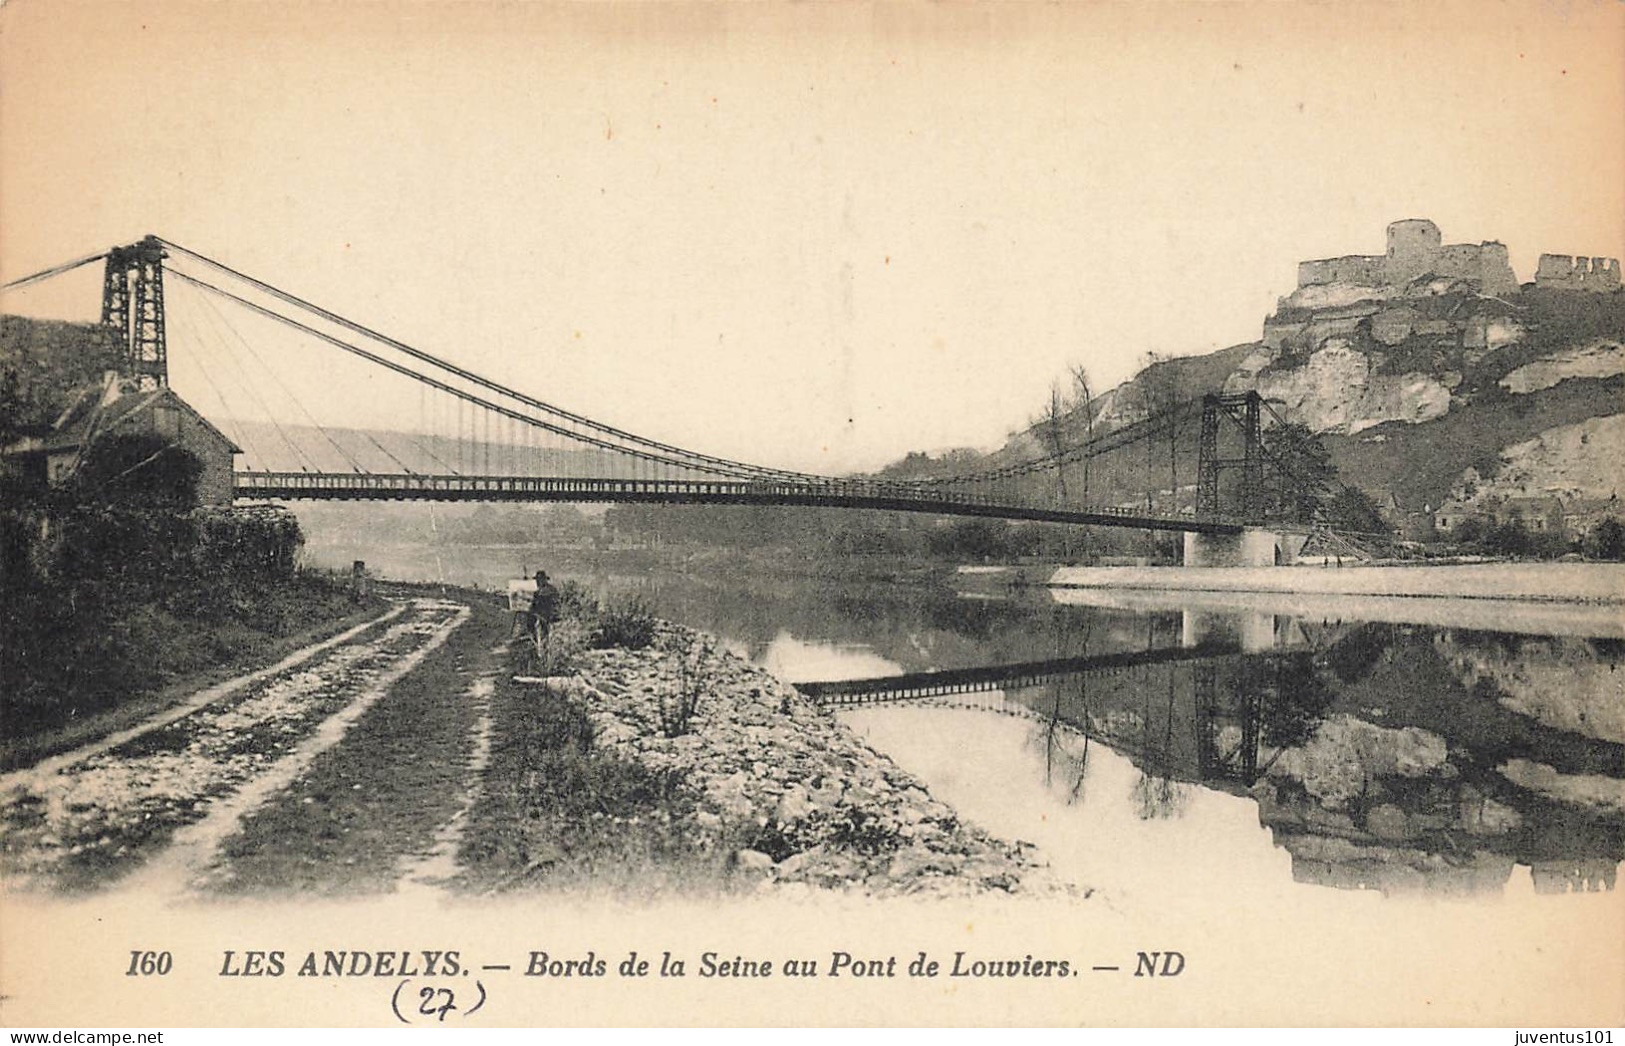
(76, 423)
(1545, 501)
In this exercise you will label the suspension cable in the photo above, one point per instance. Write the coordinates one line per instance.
(656, 452)
(726, 464)
(423, 446)
(244, 342)
(464, 396)
(245, 382)
(1098, 445)
(241, 433)
(55, 270)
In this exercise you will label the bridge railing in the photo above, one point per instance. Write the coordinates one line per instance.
(407, 484)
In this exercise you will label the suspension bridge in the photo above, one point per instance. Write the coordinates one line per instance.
(476, 439)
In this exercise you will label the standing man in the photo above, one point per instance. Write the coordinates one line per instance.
(544, 608)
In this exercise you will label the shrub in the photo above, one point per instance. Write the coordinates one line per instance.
(136, 471)
(576, 601)
(842, 828)
(677, 708)
(1606, 540)
(259, 539)
(110, 601)
(630, 625)
(1510, 538)
(557, 656)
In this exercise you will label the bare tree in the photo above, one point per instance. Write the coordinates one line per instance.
(1083, 399)
(1072, 761)
(1145, 386)
(1051, 423)
(1157, 793)
(1162, 393)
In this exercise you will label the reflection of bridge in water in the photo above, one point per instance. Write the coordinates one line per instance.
(1093, 695)
(1206, 636)
(1405, 798)
(998, 678)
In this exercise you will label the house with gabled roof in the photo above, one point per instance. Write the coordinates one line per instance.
(1581, 515)
(117, 407)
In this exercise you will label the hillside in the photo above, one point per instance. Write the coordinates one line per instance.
(41, 363)
(1434, 379)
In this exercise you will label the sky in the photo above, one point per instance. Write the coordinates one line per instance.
(818, 235)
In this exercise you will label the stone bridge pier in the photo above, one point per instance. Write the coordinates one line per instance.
(1253, 547)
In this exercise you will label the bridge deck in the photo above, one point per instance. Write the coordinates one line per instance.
(895, 497)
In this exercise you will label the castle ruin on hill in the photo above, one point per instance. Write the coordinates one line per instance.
(1578, 274)
(1416, 249)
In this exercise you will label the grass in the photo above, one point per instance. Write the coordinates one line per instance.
(678, 707)
(139, 653)
(559, 813)
(198, 654)
(558, 655)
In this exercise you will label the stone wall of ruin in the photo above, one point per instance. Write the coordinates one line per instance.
(1564, 272)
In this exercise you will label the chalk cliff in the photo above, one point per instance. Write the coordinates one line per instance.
(1437, 381)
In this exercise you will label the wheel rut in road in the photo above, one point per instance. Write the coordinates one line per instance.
(182, 780)
(382, 810)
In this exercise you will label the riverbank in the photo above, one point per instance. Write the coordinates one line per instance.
(1540, 582)
(1519, 616)
(489, 567)
(165, 799)
(181, 656)
(417, 750)
(785, 794)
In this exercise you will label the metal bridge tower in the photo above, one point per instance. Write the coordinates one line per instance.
(1243, 411)
(133, 309)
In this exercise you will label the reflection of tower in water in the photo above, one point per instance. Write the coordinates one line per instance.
(1584, 875)
(1364, 753)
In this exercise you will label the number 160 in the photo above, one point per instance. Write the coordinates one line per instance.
(145, 964)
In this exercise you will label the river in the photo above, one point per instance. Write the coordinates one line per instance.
(1195, 756)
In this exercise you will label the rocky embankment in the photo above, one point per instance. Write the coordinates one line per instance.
(792, 790)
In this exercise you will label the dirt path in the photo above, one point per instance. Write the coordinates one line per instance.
(406, 756)
(55, 764)
(190, 864)
(437, 869)
(184, 780)
(382, 809)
